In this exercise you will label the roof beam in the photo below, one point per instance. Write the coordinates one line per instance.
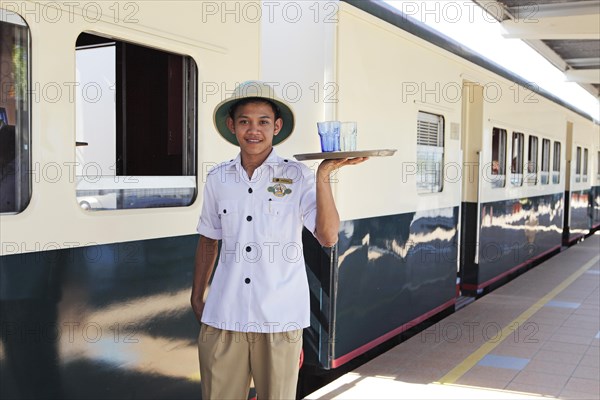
(583, 62)
(556, 28)
(533, 10)
(583, 75)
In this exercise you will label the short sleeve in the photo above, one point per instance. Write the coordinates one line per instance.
(209, 224)
(308, 201)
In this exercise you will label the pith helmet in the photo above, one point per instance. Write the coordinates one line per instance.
(256, 89)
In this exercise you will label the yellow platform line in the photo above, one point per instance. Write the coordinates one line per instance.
(457, 372)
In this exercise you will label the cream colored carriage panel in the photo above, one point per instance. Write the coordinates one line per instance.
(384, 81)
(585, 135)
(297, 58)
(53, 214)
(518, 109)
(472, 123)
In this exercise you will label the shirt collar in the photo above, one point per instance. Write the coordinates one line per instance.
(270, 162)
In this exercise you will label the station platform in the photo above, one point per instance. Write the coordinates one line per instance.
(535, 337)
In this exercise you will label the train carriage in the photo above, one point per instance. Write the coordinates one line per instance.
(581, 193)
(476, 143)
(396, 261)
(107, 137)
(594, 204)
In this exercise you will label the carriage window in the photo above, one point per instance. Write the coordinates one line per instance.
(15, 113)
(136, 126)
(498, 157)
(430, 152)
(556, 163)
(532, 159)
(578, 165)
(516, 165)
(544, 179)
(585, 165)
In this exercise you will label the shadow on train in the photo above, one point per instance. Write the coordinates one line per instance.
(109, 321)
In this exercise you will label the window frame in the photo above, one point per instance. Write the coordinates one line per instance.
(426, 149)
(556, 162)
(545, 162)
(532, 159)
(584, 168)
(578, 164)
(516, 166)
(17, 170)
(498, 172)
(170, 181)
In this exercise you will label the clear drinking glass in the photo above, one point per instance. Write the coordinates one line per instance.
(348, 136)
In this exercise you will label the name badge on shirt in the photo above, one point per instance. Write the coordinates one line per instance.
(283, 180)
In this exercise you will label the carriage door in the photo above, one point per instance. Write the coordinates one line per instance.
(472, 132)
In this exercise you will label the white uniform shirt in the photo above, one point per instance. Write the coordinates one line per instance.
(260, 282)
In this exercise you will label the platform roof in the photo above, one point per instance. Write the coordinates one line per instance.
(565, 32)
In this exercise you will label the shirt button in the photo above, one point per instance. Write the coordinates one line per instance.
(248, 218)
(249, 190)
(285, 160)
(247, 280)
(224, 211)
(248, 249)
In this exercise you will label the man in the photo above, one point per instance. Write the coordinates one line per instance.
(257, 204)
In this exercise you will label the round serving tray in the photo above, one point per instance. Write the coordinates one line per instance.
(345, 154)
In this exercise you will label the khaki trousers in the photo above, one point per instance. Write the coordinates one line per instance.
(228, 360)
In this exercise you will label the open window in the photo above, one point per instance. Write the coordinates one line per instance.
(532, 160)
(498, 157)
(516, 165)
(578, 165)
(544, 173)
(585, 165)
(136, 125)
(556, 164)
(15, 113)
(598, 166)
